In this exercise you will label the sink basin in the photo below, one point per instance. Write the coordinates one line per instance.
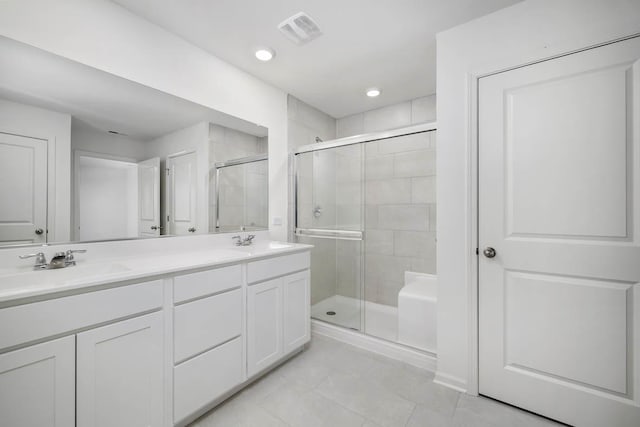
(263, 247)
(60, 276)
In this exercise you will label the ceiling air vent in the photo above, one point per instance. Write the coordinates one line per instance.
(300, 28)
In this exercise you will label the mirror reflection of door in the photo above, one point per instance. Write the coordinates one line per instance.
(23, 189)
(106, 197)
(181, 193)
(149, 197)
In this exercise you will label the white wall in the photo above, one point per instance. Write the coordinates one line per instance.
(55, 127)
(415, 111)
(526, 32)
(106, 36)
(86, 138)
(191, 138)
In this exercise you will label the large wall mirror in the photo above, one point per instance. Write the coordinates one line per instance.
(86, 155)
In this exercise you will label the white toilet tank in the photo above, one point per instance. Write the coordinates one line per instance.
(417, 311)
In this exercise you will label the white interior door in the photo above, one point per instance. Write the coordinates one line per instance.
(23, 189)
(182, 199)
(149, 197)
(559, 201)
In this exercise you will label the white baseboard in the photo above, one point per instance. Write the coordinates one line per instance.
(450, 381)
(420, 359)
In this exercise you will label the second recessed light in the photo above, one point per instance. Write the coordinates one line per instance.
(373, 92)
(265, 54)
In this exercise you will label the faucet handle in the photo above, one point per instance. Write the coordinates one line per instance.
(70, 252)
(238, 240)
(250, 237)
(38, 255)
(40, 258)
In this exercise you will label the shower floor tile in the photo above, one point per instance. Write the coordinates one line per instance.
(347, 311)
(380, 320)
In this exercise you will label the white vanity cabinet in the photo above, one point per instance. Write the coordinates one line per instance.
(278, 319)
(151, 353)
(37, 386)
(101, 376)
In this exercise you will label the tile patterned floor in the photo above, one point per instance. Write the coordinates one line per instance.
(336, 385)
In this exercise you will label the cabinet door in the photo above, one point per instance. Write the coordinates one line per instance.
(264, 325)
(120, 374)
(296, 303)
(37, 385)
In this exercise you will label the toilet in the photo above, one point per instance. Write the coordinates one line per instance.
(417, 311)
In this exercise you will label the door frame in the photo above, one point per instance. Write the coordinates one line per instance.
(472, 182)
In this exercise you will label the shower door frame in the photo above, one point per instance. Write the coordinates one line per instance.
(347, 234)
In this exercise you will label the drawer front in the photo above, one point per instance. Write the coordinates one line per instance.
(195, 285)
(38, 320)
(203, 324)
(203, 379)
(258, 271)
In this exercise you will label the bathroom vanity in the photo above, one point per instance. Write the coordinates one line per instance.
(152, 339)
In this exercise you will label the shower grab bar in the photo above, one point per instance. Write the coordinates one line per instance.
(329, 234)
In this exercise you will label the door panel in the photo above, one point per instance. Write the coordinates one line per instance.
(182, 193)
(264, 325)
(149, 197)
(559, 305)
(37, 385)
(120, 374)
(296, 319)
(23, 182)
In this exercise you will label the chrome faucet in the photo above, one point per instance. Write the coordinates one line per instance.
(59, 260)
(244, 242)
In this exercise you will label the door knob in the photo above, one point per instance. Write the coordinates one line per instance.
(191, 230)
(489, 252)
(39, 231)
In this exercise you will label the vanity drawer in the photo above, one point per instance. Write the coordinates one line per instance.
(258, 271)
(38, 320)
(205, 378)
(195, 285)
(205, 323)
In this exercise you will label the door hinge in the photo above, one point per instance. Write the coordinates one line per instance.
(168, 171)
(477, 251)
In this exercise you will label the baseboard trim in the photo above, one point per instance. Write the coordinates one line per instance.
(410, 356)
(451, 381)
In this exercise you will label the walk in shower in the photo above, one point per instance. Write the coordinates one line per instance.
(367, 204)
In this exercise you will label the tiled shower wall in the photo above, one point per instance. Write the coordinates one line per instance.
(419, 110)
(400, 213)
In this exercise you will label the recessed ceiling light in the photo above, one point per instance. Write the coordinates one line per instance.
(373, 92)
(265, 54)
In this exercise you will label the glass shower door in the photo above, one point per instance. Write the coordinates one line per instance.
(329, 216)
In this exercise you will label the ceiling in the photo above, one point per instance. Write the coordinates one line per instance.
(388, 44)
(104, 101)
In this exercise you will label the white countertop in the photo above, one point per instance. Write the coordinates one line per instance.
(23, 282)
